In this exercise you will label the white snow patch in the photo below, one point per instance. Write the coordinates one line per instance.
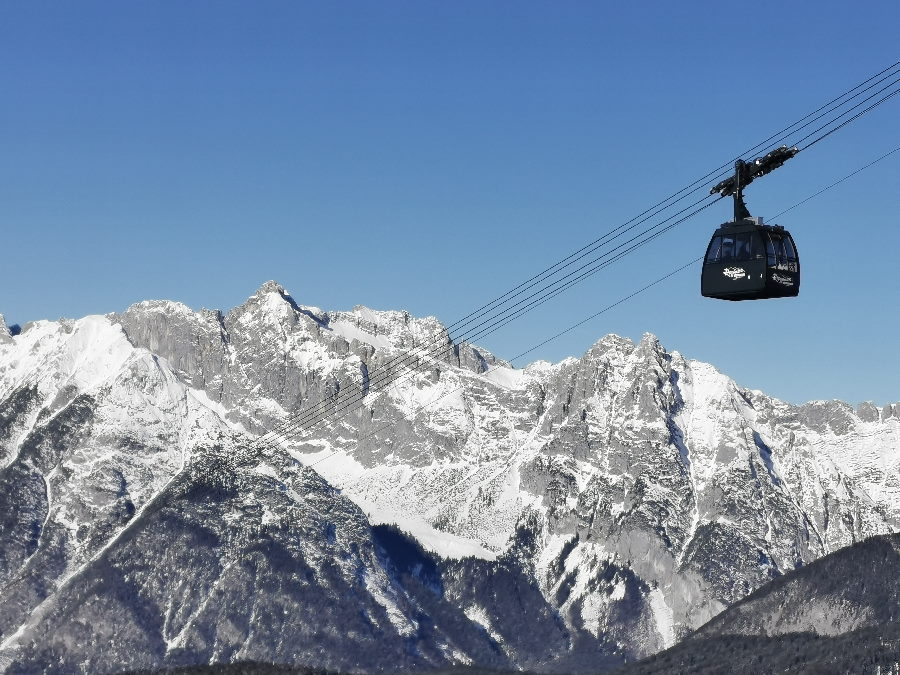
(341, 470)
(350, 332)
(665, 625)
(618, 591)
(508, 378)
(266, 470)
(268, 517)
(217, 408)
(338, 468)
(593, 608)
(549, 552)
(446, 545)
(412, 398)
(84, 353)
(477, 614)
(403, 624)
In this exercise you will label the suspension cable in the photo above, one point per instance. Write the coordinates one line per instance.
(511, 313)
(607, 308)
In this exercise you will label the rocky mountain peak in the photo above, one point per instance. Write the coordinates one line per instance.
(650, 341)
(270, 286)
(612, 343)
(650, 349)
(269, 300)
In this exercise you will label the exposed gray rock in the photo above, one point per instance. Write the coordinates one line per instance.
(867, 412)
(5, 333)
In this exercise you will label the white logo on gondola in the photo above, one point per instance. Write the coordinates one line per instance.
(783, 280)
(734, 272)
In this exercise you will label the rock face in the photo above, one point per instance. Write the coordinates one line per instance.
(400, 499)
(5, 333)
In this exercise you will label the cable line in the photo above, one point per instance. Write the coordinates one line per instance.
(592, 270)
(385, 373)
(838, 182)
(604, 310)
(846, 122)
(702, 179)
(534, 280)
(544, 294)
(385, 370)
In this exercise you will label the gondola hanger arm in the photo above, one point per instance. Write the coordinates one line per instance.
(746, 172)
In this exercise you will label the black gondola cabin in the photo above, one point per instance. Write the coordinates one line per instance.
(746, 260)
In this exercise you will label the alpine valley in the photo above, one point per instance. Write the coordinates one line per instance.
(354, 491)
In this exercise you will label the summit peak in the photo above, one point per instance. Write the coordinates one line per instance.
(271, 287)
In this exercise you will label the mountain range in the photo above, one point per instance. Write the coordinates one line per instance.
(426, 506)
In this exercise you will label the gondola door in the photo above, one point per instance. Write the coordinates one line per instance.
(782, 265)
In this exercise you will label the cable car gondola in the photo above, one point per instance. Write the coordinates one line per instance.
(746, 259)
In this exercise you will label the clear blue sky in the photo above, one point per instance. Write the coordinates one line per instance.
(429, 155)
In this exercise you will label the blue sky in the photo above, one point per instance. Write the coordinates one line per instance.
(429, 155)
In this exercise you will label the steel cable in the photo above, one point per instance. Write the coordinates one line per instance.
(310, 415)
(607, 308)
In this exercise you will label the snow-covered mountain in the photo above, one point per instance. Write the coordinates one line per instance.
(562, 517)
